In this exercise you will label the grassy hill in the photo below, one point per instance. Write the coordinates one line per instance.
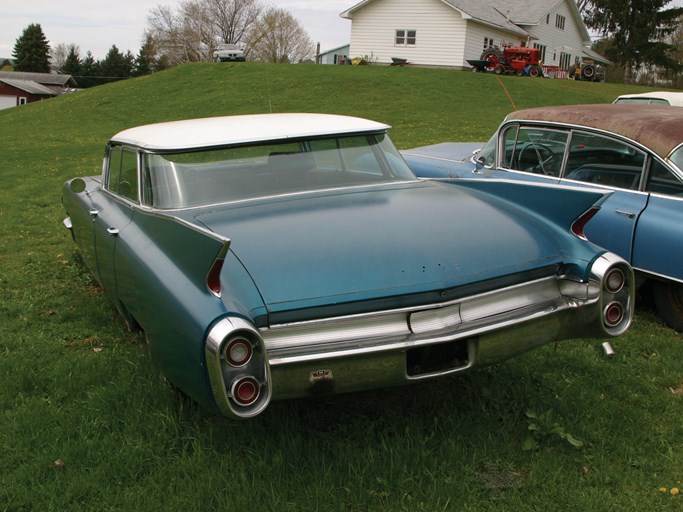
(87, 423)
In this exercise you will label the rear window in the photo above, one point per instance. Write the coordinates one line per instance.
(181, 180)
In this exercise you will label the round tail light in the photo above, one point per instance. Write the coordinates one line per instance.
(245, 390)
(614, 281)
(614, 314)
(238, 352)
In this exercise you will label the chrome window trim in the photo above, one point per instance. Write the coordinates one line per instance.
(279, 196)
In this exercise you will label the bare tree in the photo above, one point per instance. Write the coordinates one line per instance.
(279, 38)
(183, 36)
(58, 55)
(233, 18)
(193, 31)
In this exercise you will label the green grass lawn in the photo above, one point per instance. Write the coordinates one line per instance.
(88, 423)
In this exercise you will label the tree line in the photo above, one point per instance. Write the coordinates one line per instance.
(189, 33)
(643, 38)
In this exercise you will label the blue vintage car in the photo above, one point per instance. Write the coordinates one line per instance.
(288, 255)
(634, 151)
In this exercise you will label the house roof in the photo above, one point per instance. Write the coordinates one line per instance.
(596, 56)
(332, 50)
(485, 12)
(29, 86)
(40, 78)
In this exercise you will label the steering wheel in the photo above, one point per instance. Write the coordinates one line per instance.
(542, 161)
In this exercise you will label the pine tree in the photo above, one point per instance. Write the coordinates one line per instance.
(32, 51)
(116, 65)
(145, 61)
(90, 72)
(72, 64)
(637, 30)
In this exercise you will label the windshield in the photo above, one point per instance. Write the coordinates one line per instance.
(180, 180)
(677, 157)
(486, 156)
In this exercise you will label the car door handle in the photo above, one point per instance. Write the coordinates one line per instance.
(113, 231)
(630, 215)
(94, 212)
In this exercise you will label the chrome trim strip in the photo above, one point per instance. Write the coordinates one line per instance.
(423, 325)
(286, 195)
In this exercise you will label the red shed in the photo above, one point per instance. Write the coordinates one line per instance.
(17, 88)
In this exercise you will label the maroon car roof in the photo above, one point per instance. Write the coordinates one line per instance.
(660, 128)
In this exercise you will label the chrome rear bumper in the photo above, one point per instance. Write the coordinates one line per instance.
(394, 347)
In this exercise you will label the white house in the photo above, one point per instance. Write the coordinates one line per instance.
(449, 32)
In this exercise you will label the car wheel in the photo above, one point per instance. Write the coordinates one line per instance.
(668, 297)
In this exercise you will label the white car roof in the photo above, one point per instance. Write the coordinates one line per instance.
(674, 98)
(232, 130)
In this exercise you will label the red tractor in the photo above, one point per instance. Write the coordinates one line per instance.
(519, 60)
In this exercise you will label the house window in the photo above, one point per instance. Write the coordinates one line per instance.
(542, 52)
(488, 43)
(23, 100)
(565, 59)
(405, 37)
(559, 21)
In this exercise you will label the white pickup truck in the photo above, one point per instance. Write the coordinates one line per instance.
(226, 52)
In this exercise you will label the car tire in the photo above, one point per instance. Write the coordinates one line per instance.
(668, 298)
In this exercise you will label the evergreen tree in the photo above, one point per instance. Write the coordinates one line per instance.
(638, 29)
(90, 72)
(116, 65)
(72, 64)
(145, 61)
(32, 51)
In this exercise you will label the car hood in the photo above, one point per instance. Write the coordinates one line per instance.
(444, 160)
(334, 247)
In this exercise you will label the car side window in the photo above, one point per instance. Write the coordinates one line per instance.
(536, 150)
(662, 180)
(122, 175)
(605, 161)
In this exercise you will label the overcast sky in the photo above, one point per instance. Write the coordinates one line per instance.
(96, 25)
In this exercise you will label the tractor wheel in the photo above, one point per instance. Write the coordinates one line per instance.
(535, 71)
(587, 72)
(499, 70)
(495, 57)
(519, 72)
